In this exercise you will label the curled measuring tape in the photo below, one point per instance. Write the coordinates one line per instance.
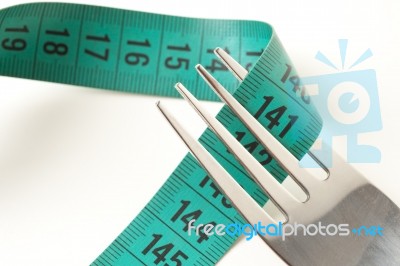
(146, 53)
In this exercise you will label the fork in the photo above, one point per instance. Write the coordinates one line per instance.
(343, 197)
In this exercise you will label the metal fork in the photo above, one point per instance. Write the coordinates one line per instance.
(344, 197)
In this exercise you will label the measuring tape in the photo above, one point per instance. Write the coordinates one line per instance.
(146, 53)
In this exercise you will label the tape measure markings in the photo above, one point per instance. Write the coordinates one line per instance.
(267, 74)
(213, 259)
(159, 53)
(252, 188)
(211, 146)
(147, 53)
(41, 15)
(181, 178)
(127, 250)
(88, 71)
(155, 215)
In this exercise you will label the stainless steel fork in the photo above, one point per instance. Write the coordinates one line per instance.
(344, 197)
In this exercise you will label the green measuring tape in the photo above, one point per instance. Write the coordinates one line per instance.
(146, 53)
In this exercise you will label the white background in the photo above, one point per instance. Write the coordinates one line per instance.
(77, 165)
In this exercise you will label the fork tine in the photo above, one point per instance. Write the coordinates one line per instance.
(236, 68)
(276, 149)
(240, 73)
(243, 203)
(277, 193)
